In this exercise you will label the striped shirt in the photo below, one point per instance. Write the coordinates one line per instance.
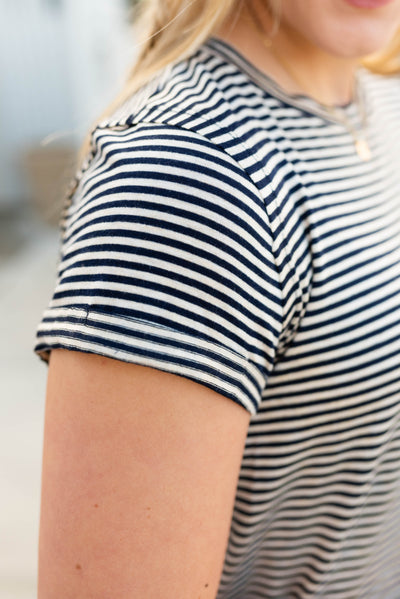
(226, 231)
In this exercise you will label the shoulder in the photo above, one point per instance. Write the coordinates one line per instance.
(204, 93)
(169, 166)
(188, 121)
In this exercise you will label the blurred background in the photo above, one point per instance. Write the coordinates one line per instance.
(61, 62)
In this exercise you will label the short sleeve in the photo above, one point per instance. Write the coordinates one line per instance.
(166, 261)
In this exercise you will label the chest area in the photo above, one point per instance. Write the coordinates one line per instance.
(339, 219)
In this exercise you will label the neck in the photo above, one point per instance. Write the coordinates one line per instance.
(308, 70)
(292, 61)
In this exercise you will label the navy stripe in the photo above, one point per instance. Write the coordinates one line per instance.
(229, 232)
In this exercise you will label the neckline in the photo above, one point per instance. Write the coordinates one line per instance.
(268, 84)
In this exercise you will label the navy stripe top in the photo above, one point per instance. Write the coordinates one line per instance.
(226, 231)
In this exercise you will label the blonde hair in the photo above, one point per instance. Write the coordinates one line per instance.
(170, 30)
(167, 31)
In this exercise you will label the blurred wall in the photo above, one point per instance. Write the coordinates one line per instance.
(61, 61)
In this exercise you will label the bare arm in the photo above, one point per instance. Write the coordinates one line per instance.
(139, 475)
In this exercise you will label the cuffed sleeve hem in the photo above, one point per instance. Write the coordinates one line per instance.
(149, 344)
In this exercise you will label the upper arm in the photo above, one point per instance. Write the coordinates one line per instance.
(167, 262)
(139, 475)
(166, 269)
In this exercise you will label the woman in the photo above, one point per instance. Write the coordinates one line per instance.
(223, 402)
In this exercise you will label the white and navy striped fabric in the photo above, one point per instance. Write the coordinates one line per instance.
(227, 232)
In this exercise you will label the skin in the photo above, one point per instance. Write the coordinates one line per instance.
(140, 466)
(138, 482)
(322, 41)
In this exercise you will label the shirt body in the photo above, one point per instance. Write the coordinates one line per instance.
(228, 232)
